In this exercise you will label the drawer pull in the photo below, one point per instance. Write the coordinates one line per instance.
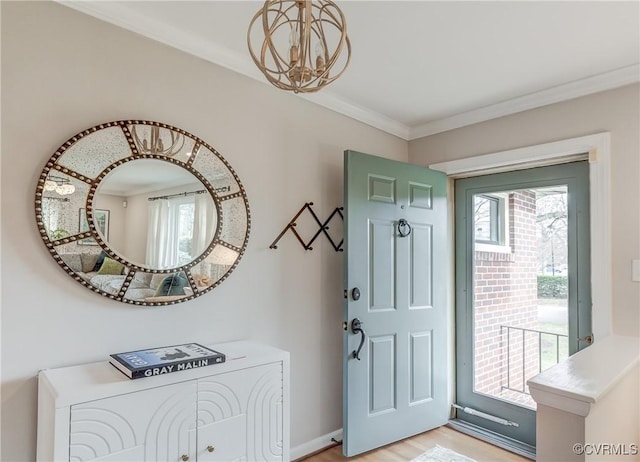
(211, 448)
(184, 457)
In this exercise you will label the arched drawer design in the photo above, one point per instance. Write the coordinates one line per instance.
(238, 410)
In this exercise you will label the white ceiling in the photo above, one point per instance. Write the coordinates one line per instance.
(422, 67)
(145, 176)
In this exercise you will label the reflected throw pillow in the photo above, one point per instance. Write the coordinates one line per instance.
(141, 281)
(110, 266)
(156, 280)
(173, 284)
(98, 262)
(88, 261)
(73, 261)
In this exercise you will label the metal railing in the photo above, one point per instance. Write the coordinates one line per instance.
(522, 351)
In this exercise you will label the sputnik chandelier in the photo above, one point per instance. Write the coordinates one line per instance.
(155, 145)
(300, 43)
(60, 185)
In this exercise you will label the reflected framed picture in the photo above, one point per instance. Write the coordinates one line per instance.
(102, 222)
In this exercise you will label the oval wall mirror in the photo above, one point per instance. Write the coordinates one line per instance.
(142, 212)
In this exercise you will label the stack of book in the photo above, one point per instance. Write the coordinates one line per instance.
(164, 360)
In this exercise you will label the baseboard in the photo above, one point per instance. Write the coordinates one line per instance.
(325, 441)
(509, 444)
(316, 445)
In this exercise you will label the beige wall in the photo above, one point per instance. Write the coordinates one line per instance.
(617, 111)
(117, 213)
(63, 72)
(605, 424)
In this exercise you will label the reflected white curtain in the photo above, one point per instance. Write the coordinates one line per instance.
(49, 215)
(204, 223)
(162, 235)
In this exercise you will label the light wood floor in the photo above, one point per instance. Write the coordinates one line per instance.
(405, 450)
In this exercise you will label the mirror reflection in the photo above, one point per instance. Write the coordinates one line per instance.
(62, 200)
(142, 212)
(160, 215)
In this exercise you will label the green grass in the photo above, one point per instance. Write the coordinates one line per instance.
(553, 352)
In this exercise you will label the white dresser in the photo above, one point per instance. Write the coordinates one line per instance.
(235, 411)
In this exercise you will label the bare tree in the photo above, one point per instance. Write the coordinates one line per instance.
(552, 220)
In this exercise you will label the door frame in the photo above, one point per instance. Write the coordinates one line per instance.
(597, 149)
(575, 177)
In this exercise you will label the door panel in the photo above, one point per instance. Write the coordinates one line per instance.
(420, 255)
(420, 196)
(421, 358)
(230, 436)
(511, 229)
(249, 400)
(151, 425)
(382, 359)
(381, 265)
(382, 189)
(393, 391)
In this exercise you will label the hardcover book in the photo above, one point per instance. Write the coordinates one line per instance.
(164, 360)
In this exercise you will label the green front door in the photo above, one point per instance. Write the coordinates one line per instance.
(396, 270)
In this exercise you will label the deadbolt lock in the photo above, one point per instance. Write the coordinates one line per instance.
(355, 294)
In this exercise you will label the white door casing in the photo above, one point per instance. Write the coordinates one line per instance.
(595, 147)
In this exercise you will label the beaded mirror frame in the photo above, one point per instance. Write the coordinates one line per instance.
(80, 178)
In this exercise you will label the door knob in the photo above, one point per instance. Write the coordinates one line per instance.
(356, 327)
(211, 448)
(184, 458)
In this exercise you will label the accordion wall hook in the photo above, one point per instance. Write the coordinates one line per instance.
(323, 228)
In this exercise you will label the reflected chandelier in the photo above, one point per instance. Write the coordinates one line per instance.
(60, 185)
(155, 146)
(301, 43)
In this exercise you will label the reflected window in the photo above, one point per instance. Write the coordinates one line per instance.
(185, 213)
(170, 232)
(179, 228)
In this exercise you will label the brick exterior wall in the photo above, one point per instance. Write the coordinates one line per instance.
(506, 295)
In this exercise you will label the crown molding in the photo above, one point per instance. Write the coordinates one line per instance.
(120, 15)
(594, 84)
(364, 115)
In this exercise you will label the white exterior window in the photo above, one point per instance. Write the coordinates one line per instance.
(491, 222)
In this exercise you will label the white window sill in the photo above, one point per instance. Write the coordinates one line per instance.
(479, 247)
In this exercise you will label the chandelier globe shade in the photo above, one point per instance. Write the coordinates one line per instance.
(299, 45)
(60, 185)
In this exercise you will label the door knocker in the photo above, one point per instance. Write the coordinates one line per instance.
(404, 228)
